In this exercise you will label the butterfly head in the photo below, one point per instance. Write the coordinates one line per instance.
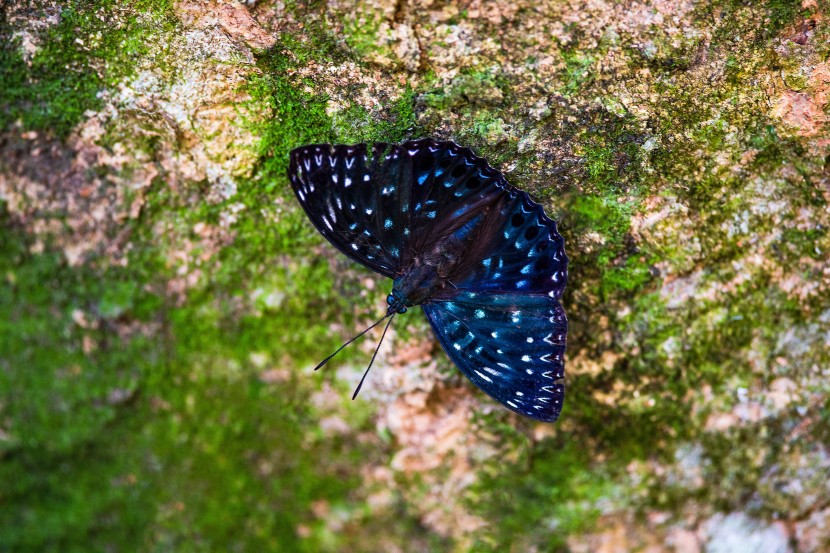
(395, 304)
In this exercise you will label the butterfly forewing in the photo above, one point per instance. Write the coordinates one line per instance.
(354, 197)
(510, 345)
(448, 183)
(527, 256)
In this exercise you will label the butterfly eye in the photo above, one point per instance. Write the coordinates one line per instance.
(402, 310)
(390, 299)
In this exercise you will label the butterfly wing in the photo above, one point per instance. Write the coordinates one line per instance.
(358, 198)
(510, 345)
(525, 254)
(518, 249)
(502, 323)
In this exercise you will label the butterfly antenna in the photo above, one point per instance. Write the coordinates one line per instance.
(327, 359)
(382, 336)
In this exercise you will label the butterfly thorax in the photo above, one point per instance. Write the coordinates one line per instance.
(428, 274)
(417, 284)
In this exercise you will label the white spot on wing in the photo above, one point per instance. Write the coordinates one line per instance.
(483, 376)
(492, 371)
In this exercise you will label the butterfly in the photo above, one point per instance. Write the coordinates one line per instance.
(484, 262)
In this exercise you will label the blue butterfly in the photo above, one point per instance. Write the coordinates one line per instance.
(484, 262)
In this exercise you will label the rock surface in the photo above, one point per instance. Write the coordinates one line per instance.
(164, 298)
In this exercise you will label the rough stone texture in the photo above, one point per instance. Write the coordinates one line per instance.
(683, 147)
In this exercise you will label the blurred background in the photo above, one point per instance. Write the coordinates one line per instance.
(163, 298)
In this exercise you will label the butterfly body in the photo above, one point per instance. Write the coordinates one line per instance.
(482, 259)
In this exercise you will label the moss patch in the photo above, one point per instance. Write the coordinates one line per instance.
(94, 45)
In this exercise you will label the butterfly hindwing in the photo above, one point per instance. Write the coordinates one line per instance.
(510, 345)
(357, 197)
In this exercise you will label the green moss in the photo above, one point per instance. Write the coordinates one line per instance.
(94, 45)
(395, 123)
(208, 448)
(551, 492)
(66, 379)
(197, 451)
(296, 117)
(631, 275)
(614, 186)
(361, 32)
(775, 14)
(605, 216)
(577, 72)
(473, 87)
